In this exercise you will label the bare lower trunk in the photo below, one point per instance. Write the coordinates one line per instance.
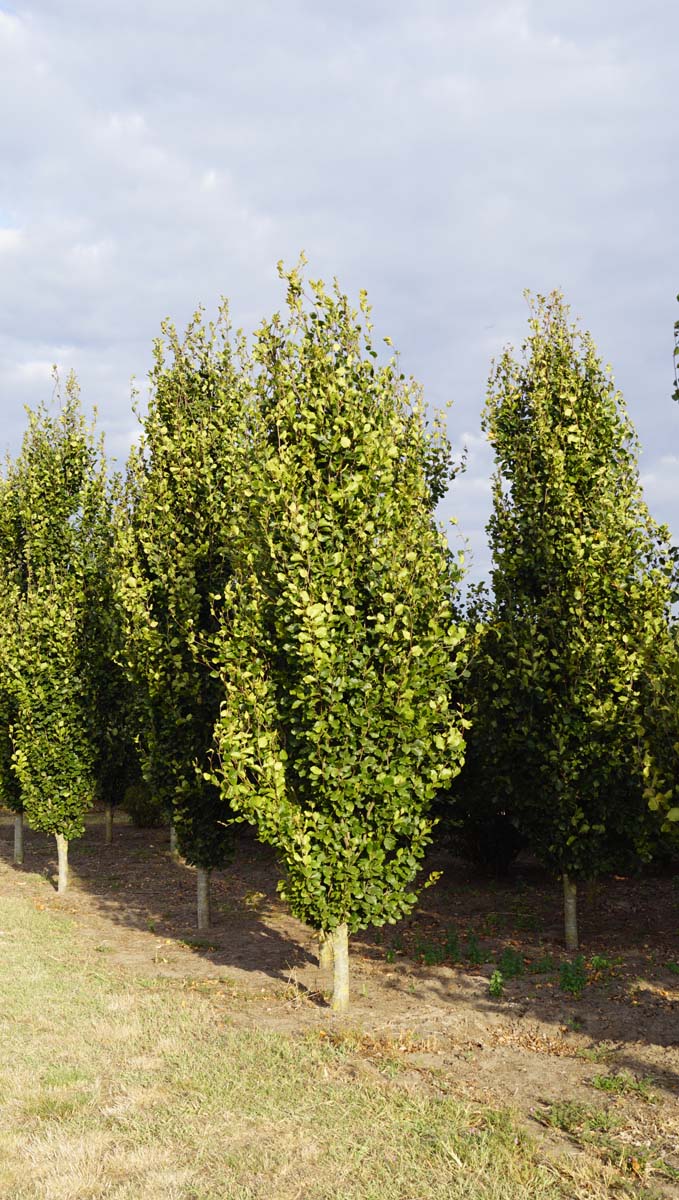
(62, 858)
(340, 949)
(203, 897)
(108, 824)
(325, 955)
(570, 912)
(173, 841)
(19, 838)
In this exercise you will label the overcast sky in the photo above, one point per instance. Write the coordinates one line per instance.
(445, 156)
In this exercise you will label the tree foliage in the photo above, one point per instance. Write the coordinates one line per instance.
(54, 526)
(339, 651)
(174, 560)
(582, 591)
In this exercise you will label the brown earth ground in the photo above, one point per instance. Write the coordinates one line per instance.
(418, 995)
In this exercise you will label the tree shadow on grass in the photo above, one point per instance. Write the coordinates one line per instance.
(137, 904)
(135, 887)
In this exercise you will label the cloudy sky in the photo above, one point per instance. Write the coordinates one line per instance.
(443, 155)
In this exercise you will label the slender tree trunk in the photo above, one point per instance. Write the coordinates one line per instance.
(108, 824)
(173, 842)
(203, 897)
(62, 858)
(19, 838)
(570, 911)
(325, 954)
(340, 949)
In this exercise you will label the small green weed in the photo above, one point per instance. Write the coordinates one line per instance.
(473, 952)
(543, 965)
(429, 953)
(491, 924)
(496, 985)
(624, 1084)
(452, 945)
(527, 922)
(195, 943)
(673, 967)
(511, 963)
(599, 963)
(573, 977)
(595, 1054)
(571, 1116)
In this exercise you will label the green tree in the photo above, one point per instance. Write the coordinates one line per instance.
(10, 557)
(339, 648)
(581, 577)
(52, 558)
(173, 548)
(660, 745)
(111, 694)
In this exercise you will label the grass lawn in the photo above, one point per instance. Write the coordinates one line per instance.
(122, 1087)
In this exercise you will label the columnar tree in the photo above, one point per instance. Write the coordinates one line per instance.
(10, 792)
(173, 531)
(660, 745)
(582, 592)
(340, 651)
(58, 498)
(111, 695)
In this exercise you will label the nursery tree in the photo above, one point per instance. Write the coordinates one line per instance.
(173, 560)
(111, 695)
(10, 555)
(660, 744)
(582, 593)
(339, 648)
(57, 494)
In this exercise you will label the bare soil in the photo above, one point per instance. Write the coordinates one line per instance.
(420, 997)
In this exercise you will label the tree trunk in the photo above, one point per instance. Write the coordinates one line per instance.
(108, 824)
(340, 949)
(173, 842)
(62, 858)
(19, 838)
(325, 954)
(570, 911)
(203, 897)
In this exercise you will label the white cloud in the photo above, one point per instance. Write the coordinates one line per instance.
(10, 240)
(444, 156)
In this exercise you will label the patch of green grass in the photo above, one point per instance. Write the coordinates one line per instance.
(197, 943)
(622, 1083)
(596, 1054)
(673, 967)
(572, 1116)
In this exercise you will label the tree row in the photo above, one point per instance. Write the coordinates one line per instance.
(264, 622)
